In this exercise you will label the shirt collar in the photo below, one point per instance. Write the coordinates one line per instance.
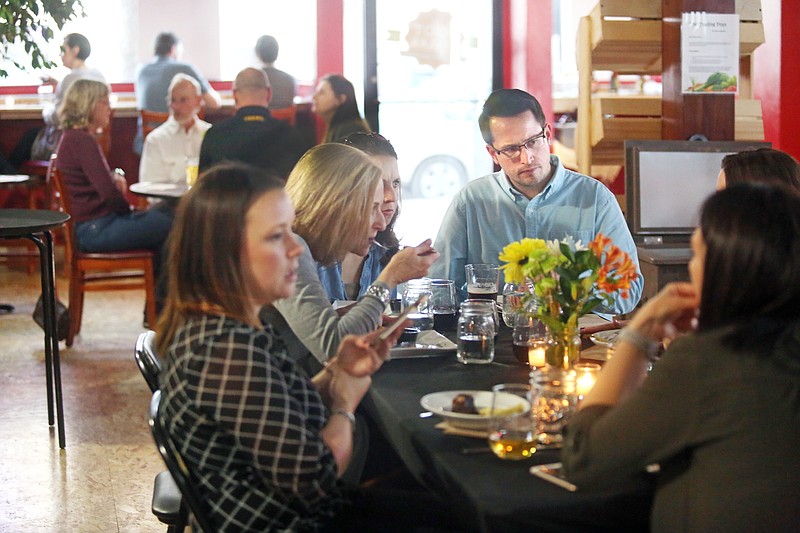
(556, 182)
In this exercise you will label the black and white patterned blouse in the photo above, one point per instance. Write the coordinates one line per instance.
(248, 423)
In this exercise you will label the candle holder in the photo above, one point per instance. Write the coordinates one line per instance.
(586, 375)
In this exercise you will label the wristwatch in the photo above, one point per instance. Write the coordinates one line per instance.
(379, 291)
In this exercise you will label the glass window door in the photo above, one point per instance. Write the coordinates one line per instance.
(434, 71)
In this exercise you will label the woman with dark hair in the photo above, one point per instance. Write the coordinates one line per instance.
(359, 271)
(335, 102)
(720, 411)
(265, 444)
(764, 165)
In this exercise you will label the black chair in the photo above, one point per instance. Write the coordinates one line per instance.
(149, 363)
(176, 466)
(167, 501)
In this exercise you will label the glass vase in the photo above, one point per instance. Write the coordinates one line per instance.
(565, 348)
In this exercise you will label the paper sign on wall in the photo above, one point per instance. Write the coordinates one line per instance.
(710, 53)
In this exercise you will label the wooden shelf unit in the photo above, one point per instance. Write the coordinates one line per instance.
(625, 37)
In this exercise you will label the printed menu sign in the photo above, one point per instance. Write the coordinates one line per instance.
(709, 53)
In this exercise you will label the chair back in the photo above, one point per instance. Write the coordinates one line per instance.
(151, 120)
(287, 114)
(60, 202)
(176, 466)
(147, 359)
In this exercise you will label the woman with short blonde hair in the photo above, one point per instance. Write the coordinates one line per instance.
(337, 192)
(78, 105)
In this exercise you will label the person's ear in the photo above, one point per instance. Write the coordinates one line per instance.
(492, 153)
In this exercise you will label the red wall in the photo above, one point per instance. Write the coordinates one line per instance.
(776, 77)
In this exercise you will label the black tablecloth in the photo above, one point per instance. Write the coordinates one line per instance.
(493, 494)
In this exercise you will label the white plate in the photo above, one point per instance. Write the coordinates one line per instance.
(429, 343)
(441, 403)
(604, 338)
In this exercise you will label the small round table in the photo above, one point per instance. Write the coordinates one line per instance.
(35, 225)
(164, 191)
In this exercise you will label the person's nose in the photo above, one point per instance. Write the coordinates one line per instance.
(378, 222)
(293, 248)
(389, 194)
(525, 154)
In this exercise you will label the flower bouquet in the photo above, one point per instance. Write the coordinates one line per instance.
(567, 280)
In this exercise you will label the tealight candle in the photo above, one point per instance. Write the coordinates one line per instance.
(10, 100)
(586, 376)
(536, 353)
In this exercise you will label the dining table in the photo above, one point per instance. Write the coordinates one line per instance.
(36, 225)
(489, 494)
(162, 191)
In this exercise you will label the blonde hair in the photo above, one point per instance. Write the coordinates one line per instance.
(77, 107)
(332, 188)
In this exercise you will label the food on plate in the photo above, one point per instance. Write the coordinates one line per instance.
(464, 403)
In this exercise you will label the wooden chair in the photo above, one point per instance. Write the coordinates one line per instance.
(89, 271)
(151, 120)
(287, 114)
(176, 465)
(167, 503)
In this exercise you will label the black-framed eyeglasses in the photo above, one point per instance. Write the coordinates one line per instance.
(513, 152)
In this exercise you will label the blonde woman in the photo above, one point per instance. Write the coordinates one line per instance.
(337, 192)
(103, 219)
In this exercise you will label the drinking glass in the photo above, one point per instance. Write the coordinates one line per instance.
(512, 428)
(443, 303)
(482, 281)
(512, 303)
(530, 341)
(191, 171)
(476, 331)
(422, 318)
(554, 401)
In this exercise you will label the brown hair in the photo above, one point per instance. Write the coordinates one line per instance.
(332, 187)
(205, 247)
(764, 165)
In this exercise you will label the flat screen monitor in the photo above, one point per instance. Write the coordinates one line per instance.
(666, 183)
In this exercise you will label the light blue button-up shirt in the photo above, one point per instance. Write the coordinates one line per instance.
(489, 213)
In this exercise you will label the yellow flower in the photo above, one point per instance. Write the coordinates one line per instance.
(516, 255)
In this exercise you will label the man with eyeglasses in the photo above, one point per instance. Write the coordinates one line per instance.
(533, 195)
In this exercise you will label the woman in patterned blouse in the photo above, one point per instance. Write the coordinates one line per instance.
(265, 444)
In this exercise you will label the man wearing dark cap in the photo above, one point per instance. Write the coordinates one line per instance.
(253, 135)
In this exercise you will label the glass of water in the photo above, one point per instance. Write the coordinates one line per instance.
(476, 330)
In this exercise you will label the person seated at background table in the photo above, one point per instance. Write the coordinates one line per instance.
(283, 84)
(265, 444)
(154, 78)
(103, 218)
(338, 193)
(764, 165)
(169, 147)
(533, 196)
(253, 135)
(355, 273)
(39, 143)
(335, 102)
(719, 412)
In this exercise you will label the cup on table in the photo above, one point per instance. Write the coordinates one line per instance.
(512, 303)
(554, 401)
(512, 428)
(422, 318)
(530, 341)
(482, 281)
(476, 331)
(443, 303)
(585, 377)
(192, 164)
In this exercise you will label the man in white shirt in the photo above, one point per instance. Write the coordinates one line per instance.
(169, 147)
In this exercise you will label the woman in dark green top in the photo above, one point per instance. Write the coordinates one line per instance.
(720, 412)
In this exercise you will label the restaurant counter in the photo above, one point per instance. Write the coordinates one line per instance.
(491, 494)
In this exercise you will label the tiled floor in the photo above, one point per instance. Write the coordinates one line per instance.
(103, 480)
